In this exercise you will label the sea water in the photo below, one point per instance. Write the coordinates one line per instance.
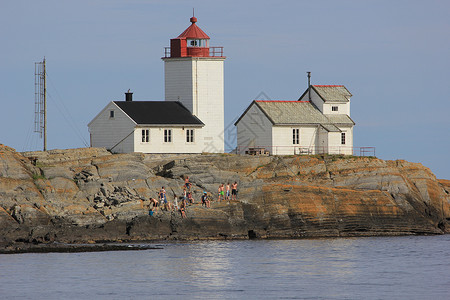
(415, 267)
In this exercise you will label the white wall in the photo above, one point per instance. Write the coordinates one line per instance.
(325, 108)
(343, 108)
(283, 140)
(178, 81)
(209, 92)
(107, 132)
(335, 145)
(178, 144)
(254, 130)
(198, 83)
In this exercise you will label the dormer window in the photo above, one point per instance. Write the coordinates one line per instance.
(334, 108)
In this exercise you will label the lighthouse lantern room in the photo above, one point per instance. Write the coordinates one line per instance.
(194, 76)
(192, 42)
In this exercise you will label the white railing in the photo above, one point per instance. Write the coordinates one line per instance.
(299, 150)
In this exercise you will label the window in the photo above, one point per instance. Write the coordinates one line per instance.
(334, 108)
(111, 114)
(167, 135)
(190, 136)
(343, 138)
(197, 43)
(145, 135)
(296, 136)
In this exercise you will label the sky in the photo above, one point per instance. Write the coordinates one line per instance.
(393, 56)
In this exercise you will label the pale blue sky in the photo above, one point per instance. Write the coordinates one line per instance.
(393, 56)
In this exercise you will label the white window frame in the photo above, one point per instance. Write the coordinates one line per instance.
(111, 114)
(295, 136)
(145, 135)
(167, 135)
(343, 138)
(190, 135)
(201, 43)
(335, 108)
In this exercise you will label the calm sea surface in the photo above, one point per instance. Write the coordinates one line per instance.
(345, 268)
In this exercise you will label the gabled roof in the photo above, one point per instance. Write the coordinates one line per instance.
(158, 113)
(193, 31)
(331, 93)
(298, 113)
(291, 112)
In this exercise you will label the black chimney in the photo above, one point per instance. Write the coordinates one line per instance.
(128, 96)
(309, 86)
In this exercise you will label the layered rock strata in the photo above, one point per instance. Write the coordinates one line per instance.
(91, 195)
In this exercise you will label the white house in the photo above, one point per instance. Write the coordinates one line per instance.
(146, 126)
(318, 122)
(190, 120)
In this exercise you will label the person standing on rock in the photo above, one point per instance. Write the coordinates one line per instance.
(167, 205)
(204, 199)
(184, 195)
(183, 209)
(187, 183)
(221, 192)
(162, 196)
(234, 191)
(175, 203)
(227, 195)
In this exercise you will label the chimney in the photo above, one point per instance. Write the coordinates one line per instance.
(309, 86)
(128, 96)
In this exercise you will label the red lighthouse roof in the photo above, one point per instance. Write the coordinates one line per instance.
(193, 31)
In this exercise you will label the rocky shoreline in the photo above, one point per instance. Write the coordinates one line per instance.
(89, 195)
(17, 248)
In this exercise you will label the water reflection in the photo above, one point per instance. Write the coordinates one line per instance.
(353, 268)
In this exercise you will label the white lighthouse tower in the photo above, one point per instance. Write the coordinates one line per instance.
(194, 76)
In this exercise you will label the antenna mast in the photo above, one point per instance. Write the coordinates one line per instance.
(40, 101)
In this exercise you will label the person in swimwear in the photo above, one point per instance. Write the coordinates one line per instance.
(183, 209)
(227, 194)
(154, 203)
(221, 192)
(234, 191)
(187, 184)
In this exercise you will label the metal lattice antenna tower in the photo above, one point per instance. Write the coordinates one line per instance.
(40, 101)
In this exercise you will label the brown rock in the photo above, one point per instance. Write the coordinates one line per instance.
(81, 195)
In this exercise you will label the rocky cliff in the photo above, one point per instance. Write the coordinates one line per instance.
(91, 195)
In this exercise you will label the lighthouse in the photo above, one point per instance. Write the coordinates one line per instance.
(193, 75)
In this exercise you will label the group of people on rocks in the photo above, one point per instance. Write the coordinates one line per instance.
(228, 193)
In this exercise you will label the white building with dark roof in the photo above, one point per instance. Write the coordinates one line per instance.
(146, 126)
(318, 122)
(190, 120)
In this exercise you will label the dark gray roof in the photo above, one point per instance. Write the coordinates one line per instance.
(158, 113)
